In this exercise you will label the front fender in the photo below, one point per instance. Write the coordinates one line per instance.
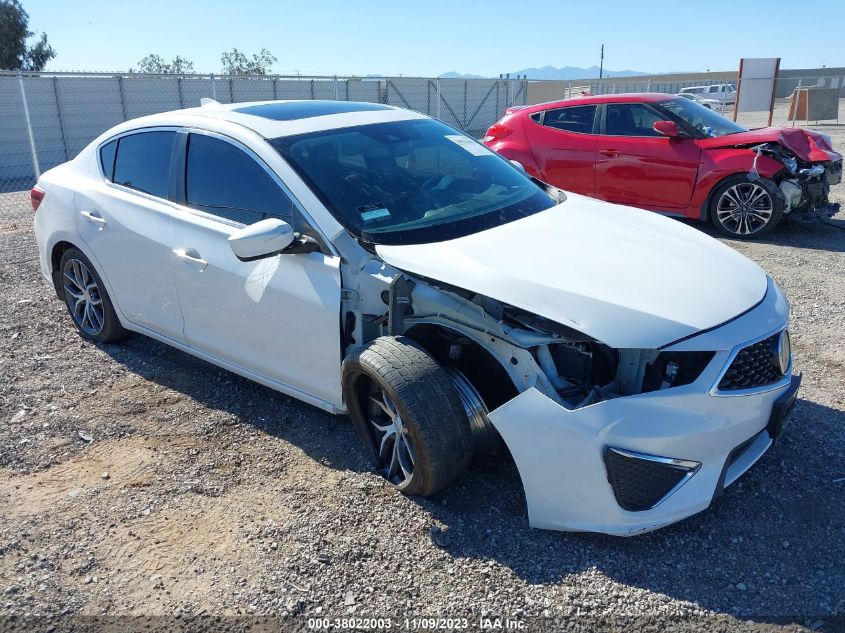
(718, 164)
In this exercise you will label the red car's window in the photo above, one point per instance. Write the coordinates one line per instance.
(630, 119)
(575, 119)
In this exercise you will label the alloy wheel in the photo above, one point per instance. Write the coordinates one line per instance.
(83, 297)
(745, 208)
(393, 441)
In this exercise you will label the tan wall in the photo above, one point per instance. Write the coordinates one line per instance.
(542, 91)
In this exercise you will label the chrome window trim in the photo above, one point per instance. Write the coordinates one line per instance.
(137, 130)
(180, 129)
(783, 382)
(542, 121)
(273, 175)
(689, 465)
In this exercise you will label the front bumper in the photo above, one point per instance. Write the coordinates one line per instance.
(810, 188)
(561, 453)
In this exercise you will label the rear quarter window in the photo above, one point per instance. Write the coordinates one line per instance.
(107, 154)
(577, 119)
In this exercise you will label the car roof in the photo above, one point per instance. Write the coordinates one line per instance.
(272, 119)
(624, 97)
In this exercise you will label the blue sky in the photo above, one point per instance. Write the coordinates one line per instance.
(432, 37)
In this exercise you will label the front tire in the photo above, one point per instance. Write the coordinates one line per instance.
(86, 299)
(745, 208)
(408, 414)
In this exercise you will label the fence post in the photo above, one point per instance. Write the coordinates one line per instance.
(464, 122)
(122, 97)
(32, 149)
(795, 101)
(213, 88)
(437, 82)
(336, 91)
(181, 93)
(61, 118)
(275, 88)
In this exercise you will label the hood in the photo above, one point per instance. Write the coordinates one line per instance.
(807, 145)
(627, 277)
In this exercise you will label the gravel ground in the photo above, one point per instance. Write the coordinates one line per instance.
(136, 480)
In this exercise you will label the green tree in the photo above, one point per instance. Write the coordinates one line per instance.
(15, 54)
(236, 63)
(155, 64)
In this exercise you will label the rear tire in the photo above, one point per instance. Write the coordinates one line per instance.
(408, 414)
(745, 208)
(86, 299)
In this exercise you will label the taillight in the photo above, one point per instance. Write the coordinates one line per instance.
(497, 132)
(36, 195)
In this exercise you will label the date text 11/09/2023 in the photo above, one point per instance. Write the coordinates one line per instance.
(417, 624)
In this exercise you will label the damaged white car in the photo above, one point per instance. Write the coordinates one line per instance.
(373, 261)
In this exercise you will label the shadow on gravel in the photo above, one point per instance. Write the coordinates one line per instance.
(325, 438)
(815, 232)
(769, 549)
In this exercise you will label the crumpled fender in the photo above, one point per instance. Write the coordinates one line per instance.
(719, 163)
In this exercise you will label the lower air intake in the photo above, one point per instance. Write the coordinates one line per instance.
(641, 481)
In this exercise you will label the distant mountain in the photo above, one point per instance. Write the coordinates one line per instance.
(573, 72)
(454, 75)
(550, 72)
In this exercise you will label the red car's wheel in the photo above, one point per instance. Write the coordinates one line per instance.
(744, 207)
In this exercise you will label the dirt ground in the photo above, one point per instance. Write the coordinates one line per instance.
(136, 480)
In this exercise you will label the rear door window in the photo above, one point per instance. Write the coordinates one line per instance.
(143, 162)
(225, 181)
(573, 119)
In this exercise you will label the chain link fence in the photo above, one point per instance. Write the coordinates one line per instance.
(48, 118)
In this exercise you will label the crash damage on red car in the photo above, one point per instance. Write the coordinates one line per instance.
(802, 163)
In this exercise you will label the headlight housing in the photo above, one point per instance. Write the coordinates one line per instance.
(674, 369)
(782, 352)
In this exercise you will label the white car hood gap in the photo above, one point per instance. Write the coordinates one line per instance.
(627, 277)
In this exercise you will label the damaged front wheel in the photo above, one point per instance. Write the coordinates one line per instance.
(408, 414)
(746, 208)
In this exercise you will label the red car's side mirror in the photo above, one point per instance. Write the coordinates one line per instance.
(668, 128)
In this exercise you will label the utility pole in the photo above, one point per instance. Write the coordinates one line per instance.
(601, 62)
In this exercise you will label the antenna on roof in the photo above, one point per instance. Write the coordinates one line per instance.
(205, 101)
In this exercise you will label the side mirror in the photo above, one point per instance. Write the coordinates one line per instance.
(518, 165)
(262, 239)
(668, 128)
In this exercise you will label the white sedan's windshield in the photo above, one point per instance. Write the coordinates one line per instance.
(411, 181)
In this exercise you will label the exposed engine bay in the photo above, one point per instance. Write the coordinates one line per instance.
(803, 185)
(501, 350)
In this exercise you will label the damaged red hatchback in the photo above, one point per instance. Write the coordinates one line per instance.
(671, 155)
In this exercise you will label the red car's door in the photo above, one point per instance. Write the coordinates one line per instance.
(637, 166)
(564, 146)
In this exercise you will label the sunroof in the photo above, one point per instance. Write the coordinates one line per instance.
(292, 110)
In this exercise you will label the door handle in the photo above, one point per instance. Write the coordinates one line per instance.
(610, 153)
(191, 256)
(93, 216)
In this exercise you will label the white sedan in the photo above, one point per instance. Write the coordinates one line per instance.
(710, 104)
(372, 261)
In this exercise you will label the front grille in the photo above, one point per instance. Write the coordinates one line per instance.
(754, 366)
(640, 483)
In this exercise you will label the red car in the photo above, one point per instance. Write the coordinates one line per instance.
(671, 155)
